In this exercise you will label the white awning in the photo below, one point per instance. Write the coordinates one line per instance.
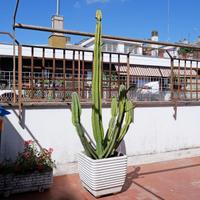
(139, 71)
(153, 71)
(166, 72)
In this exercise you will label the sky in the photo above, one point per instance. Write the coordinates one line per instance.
(173, 19)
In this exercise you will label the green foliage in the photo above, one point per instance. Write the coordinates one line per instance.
(184, 50)
(121, 110)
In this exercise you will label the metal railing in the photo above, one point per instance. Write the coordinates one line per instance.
(54, 77)
(58, 87)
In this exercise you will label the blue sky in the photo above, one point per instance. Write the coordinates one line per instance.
(129, 18)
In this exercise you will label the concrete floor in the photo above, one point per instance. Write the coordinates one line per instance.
(171, 180)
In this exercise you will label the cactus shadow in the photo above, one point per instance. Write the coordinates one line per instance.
(132, 174)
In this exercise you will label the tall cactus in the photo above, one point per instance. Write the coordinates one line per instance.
(97, 125)
(121, 110)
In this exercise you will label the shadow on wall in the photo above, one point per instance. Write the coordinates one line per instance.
(11, 142)
(122, 148)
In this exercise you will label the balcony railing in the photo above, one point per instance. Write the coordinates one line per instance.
(46, 74)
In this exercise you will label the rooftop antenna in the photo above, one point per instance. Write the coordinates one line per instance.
(168, 13)
(58, 8)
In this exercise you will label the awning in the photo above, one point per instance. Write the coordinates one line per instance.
(145, 71)
(166, 72)
(139, 71)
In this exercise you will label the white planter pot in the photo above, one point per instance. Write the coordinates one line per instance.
(103, 176)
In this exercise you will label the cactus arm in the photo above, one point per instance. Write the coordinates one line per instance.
(97, 124)
(114, 112)
(75, 108)
(128, 120)
(122, 100)
(89, 150)
(76, 114)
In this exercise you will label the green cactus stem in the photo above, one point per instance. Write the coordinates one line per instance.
(97, 124)
(76, 115)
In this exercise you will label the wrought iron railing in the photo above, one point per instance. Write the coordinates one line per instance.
(51, 75)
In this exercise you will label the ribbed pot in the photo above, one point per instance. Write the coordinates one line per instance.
(103, 176)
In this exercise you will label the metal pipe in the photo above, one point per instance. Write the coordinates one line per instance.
(15, 13)
(14, 38)
(58, 8)
(72, 32)
(10, 35)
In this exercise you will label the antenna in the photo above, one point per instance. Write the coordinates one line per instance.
(58, 8)
(168, 12)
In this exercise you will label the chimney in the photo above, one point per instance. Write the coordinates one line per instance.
(154, 36)
(57, 39)
(57, 23)
(185, 41)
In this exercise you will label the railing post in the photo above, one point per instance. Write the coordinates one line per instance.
(172, 85)
(79, 74)
(53, 75)
(73, 71)
(197, 84)
(20, 80)
(179, 81)
(118, 79)
(32, 72)
(128, 70)
(171, 75)
(43, 71)
(185, 83)
(172, 78)
(64, 76)
(110, 75)
(191, 81)
(83, 75)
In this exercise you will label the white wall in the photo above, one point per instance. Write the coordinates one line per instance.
(120, 47)
(154, 131)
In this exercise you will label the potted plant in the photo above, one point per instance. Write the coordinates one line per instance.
(32, 171)
(184, 52)
(102, 169)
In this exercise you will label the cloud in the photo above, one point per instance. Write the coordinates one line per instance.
(96, 1)
(77, 4)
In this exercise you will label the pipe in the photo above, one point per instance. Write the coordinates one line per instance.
(58, 8)
(14, 39)
(15, 13)
(10, 35)
(72, 32)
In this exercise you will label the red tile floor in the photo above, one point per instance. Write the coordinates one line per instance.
(170, 180)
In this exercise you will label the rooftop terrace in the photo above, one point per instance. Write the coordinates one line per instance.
(170, 180)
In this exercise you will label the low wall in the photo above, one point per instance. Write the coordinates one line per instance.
(154, 132)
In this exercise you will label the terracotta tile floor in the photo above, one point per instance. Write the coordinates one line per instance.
(171, 180)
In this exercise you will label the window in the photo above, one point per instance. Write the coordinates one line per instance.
(110, 47)
(129, 48)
